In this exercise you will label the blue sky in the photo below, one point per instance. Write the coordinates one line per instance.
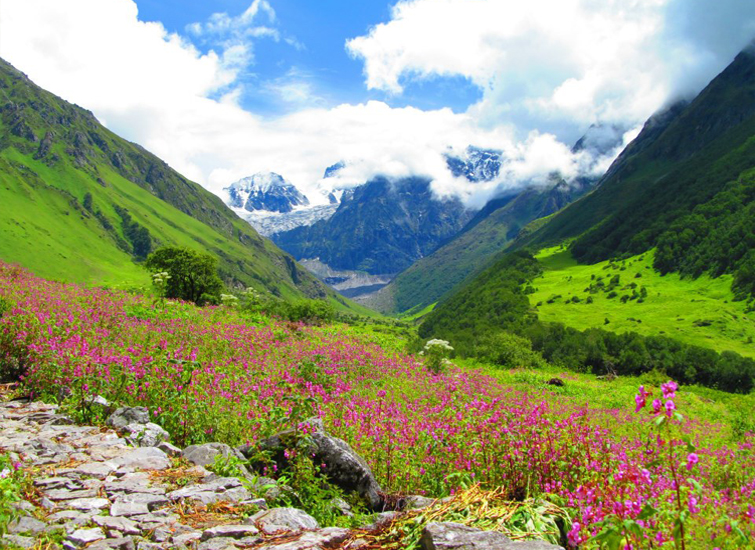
(224, 89)
(320, 30)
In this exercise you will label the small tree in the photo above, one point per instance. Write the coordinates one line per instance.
(193, 275)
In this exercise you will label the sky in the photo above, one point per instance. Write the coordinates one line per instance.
(224, 89)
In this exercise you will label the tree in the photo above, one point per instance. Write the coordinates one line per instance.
(193, 275)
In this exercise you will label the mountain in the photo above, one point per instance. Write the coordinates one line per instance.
(81, 204)
(265, 191)
(495, 226)
(381, 229)
(476, 164)
(676, 205)
(492, 230)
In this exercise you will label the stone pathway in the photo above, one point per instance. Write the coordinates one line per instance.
(95, 490)
(98, 492)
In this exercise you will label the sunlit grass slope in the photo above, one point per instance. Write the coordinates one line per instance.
(695, 311)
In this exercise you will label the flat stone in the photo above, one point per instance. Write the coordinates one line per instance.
(121, 508)
(277, 520)
(26, 525)
(53, 483)
(66, 516)
(120, 543)
(145, 458)
(65, 494)
(417, 502)
(232, 531)
(220, 543)
(17, 540)
(146, 435)
(151, 500)
(187, 538)
(98, 470)
(116, 523)
(456, 536)
(86, 536)
(88, 504)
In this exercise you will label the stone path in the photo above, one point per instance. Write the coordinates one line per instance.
(95, 490)
(98, 492)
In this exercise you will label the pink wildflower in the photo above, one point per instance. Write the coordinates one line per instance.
(692, 459)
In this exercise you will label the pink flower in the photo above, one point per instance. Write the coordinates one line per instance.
(693, 508)
(692, 459)
(670, 408)
(657, 406)
(640, 399)
(669, 389)
(381, 393)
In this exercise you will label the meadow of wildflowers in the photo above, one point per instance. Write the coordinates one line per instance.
(217, 374)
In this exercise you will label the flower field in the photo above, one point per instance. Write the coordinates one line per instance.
(217, 374)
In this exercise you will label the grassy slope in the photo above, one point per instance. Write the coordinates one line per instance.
(677, 307)
(44, 226)
(433, 276)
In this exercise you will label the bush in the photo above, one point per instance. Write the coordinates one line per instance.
(312, 312)
(192, 277)
(509, 350)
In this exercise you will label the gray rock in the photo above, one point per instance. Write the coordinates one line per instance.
(81, 537)
(380, 519)
(98, 470)
(146, 435)
(65, 494)
(343, 466)
(16, 540)
(220, 543)
(231, 531)
(114, 523)
(169, 449)
(455, 536)
(187, 538)
(227, 489)
(204, 455)
(121, 543)
(120, 508)
(533, 545)
(277, 520)
(145, 458)
(88, 504)
(123, 416)
(417, 502)
(26, 526)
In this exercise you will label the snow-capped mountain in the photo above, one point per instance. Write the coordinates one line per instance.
(476, 164)
(271, 204)
(265, 191)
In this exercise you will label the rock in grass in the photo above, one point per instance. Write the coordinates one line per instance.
(204, 455)
(343, 466)
(283, 520)
(455, 536)
(123, 416)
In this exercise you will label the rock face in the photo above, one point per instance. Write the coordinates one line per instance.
(205, 454)
(343, 466)
(123, 416)
(265, 191)
(455, 536)
(382, 228)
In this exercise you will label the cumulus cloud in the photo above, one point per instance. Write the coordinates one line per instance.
(558, 65)
(548, 70)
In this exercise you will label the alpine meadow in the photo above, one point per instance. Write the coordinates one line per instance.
(396, 274)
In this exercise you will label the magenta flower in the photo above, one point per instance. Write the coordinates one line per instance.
(693, 507)
(640, 400)
(657, 406)
(669, 389)
(670, 408)
(692, 459)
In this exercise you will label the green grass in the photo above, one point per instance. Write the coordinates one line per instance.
(726, 411)
(695, 311)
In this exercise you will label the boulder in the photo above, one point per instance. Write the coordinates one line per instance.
(283, 520)
(343, 466)
(146, 435)
(204, 455)
(456, 536)
(123, 416)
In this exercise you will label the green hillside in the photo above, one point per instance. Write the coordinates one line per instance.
(491, 231)
(79, 203)
(698, 311)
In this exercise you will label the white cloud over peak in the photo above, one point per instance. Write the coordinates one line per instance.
(548, 69)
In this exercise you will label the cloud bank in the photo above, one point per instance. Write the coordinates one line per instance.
(548, 69)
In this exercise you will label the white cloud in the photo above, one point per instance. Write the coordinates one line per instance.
(557, 65)
(548, 70)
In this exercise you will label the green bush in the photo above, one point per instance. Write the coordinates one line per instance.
(509, 350)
